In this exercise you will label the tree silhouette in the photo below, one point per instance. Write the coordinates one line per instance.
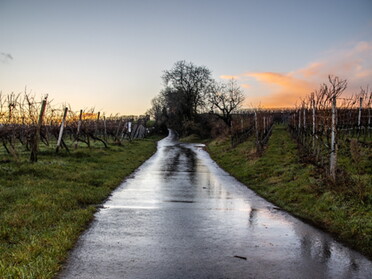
(186, 88)
(225, 99)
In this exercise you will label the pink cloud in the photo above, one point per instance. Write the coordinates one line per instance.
(229, 77)
(353, 63)
(245, 85)
(283, 89)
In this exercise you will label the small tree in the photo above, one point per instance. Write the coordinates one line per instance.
(226, 99)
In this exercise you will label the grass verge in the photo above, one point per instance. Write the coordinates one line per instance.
(44, 206)
(280, 177)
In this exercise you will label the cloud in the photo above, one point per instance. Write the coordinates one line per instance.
(282, 80)
(312, 69)
(273, 89)
(245, 85)
(5, 57)
(353, 63)
(229, 77)
(363, 46)
(284, 89)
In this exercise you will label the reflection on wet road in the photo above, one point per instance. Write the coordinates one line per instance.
(181, 216)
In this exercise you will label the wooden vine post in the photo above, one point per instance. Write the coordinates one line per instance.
(104, 128)
(369, 116)
(314, 119)
(360, 112)
(258, 143)
(304, 112)
(304, 123)
(333, 157)
(129, 131)
(35, 141)
(117, 134)
(360, 116)
(78, 129)
(96, 124)
(61, 130)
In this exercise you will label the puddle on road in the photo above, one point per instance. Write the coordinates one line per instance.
(179, 201)
(130, 207)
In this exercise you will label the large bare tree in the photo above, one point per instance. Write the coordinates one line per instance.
(188, 84)
(225, 99)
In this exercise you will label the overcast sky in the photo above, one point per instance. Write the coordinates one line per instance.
(111, 54)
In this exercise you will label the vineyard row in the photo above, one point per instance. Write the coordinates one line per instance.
(324, 124)
(26, 122)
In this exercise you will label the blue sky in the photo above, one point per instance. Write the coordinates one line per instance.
(111, 54)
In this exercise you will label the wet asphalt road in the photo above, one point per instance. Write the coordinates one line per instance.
(181, 216)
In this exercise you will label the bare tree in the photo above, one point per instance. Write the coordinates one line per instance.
(225, 99)
(337, 86)
(189, 84)
(157, 108)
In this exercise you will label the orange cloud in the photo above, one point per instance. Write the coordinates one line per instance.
(284, 90)
(271, 89)
(283, 80)
(245, 85)
(311, 70)
(229, 77)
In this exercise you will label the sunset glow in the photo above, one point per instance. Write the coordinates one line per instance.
(111, 56)
(272, 89)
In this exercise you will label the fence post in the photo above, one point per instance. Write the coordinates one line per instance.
(61, 129)
(257, 134)
(333, 157)
(117, 135)
(369, 118)
(124, 131)
(96, 124)
(360, 112)
(304, 116)
(304, 124)
(104, 128)
(78, 128)
(35, 144)
(314, 123)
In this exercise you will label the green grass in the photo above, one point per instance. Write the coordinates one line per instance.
(44, 206)
(280, 176)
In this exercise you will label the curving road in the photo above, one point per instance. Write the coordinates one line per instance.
(181, 216)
